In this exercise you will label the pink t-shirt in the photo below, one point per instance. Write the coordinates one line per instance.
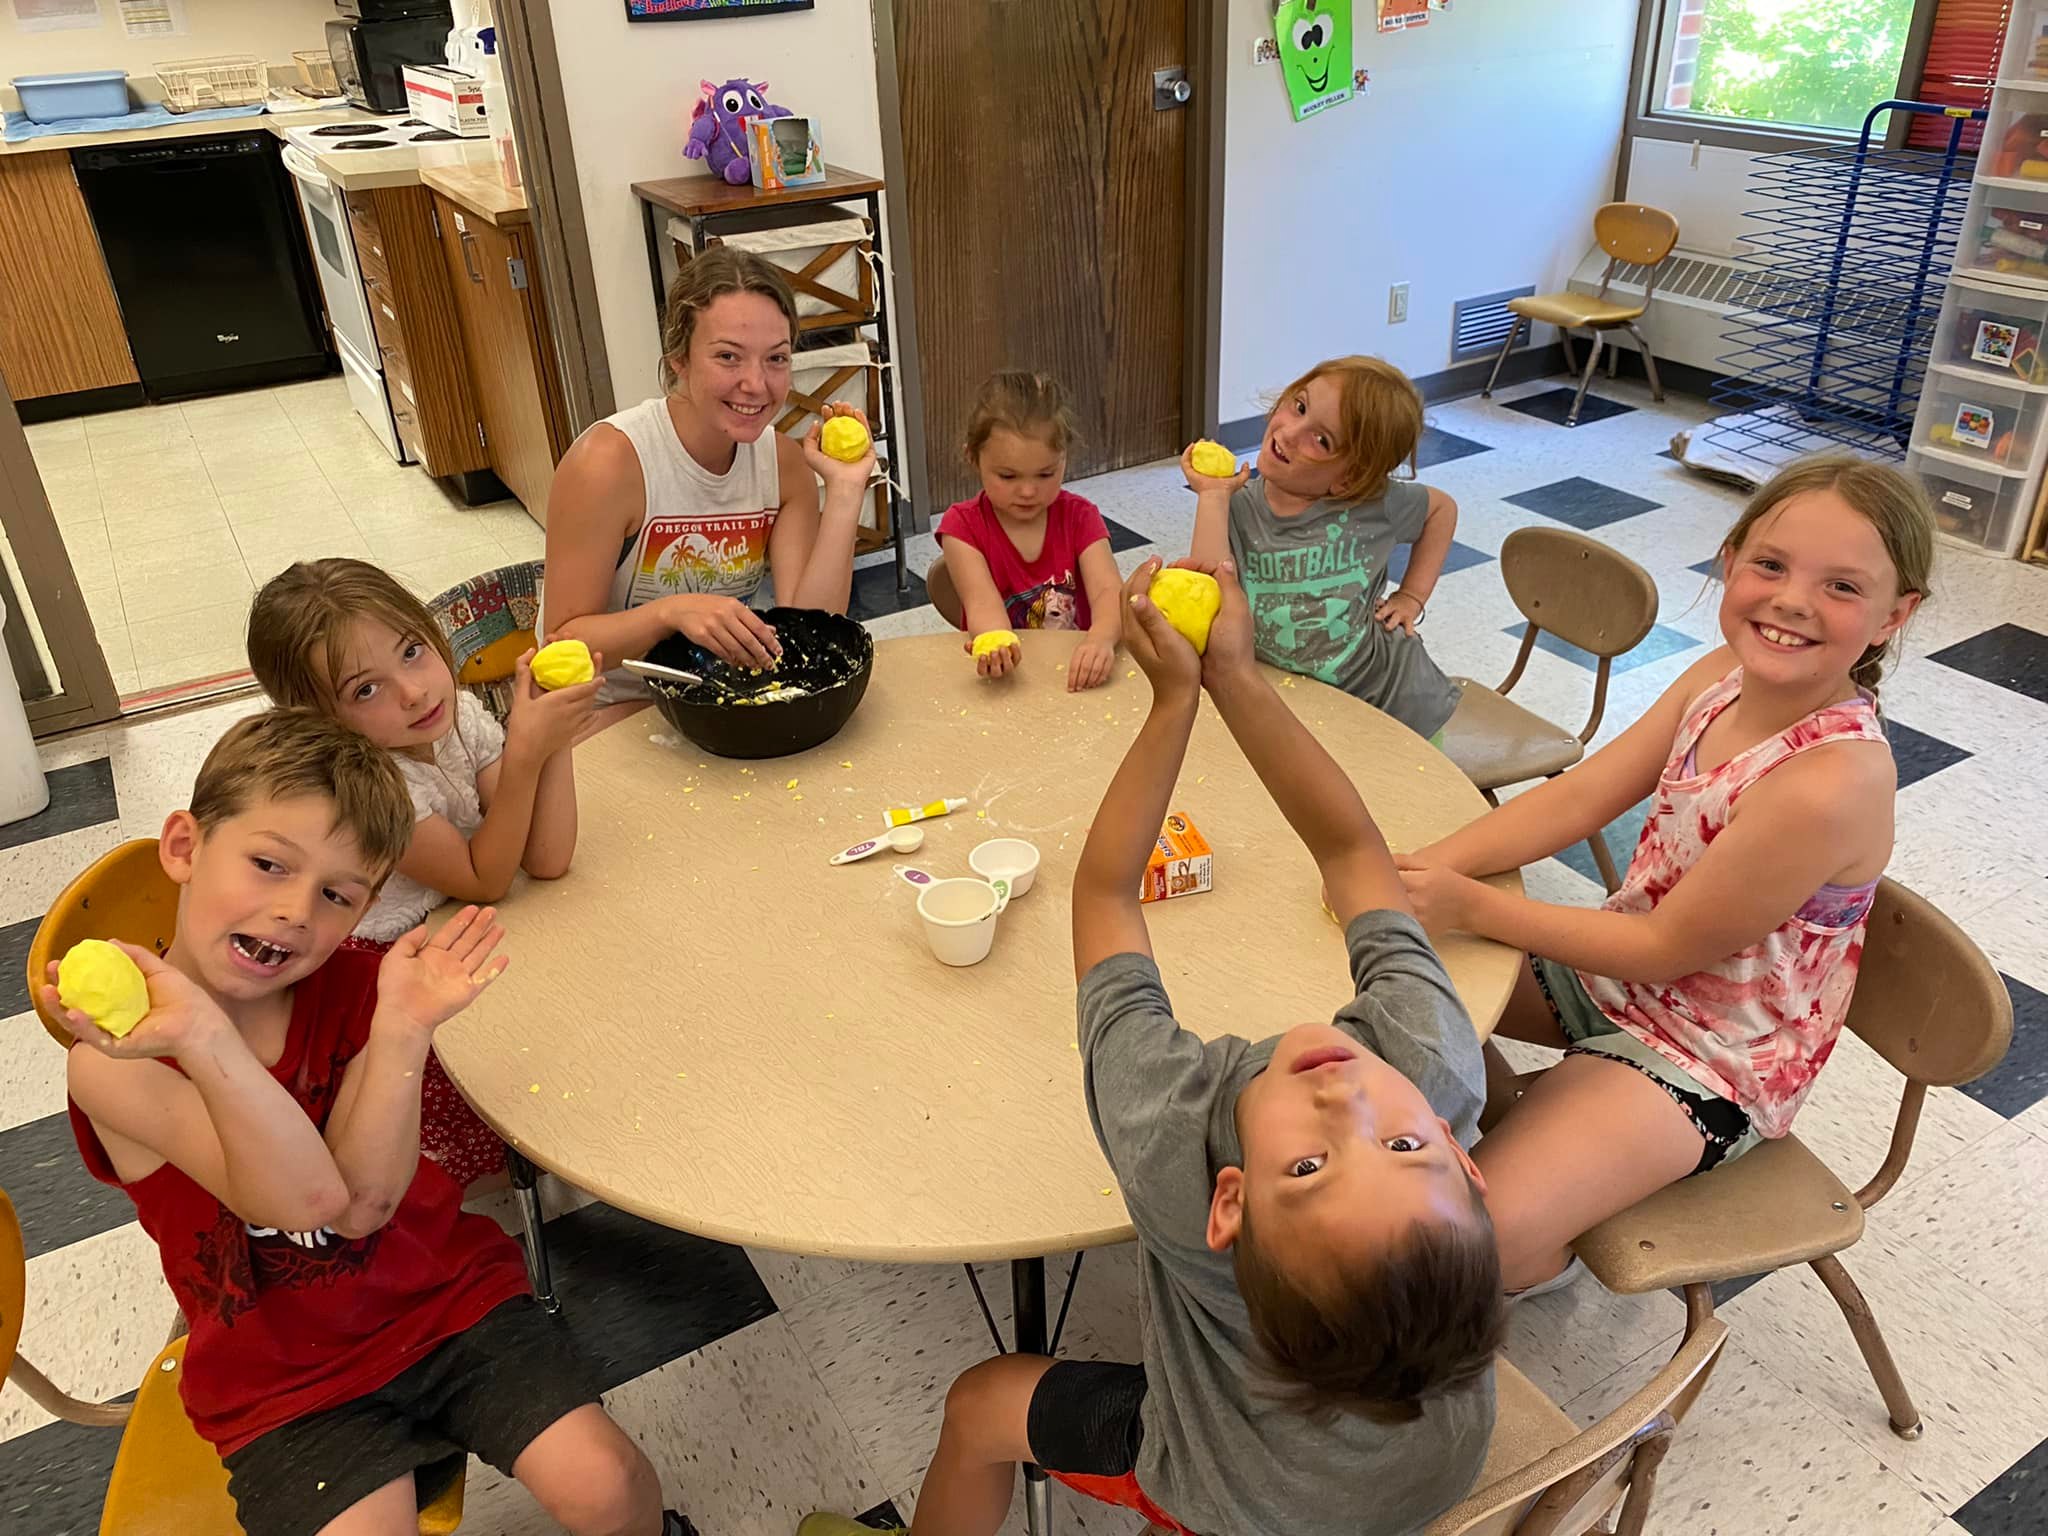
(1046, 593)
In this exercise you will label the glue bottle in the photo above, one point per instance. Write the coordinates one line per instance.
(498, 112)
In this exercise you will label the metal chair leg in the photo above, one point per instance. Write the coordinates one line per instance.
(1571, 358)
(1649, 363)
(1891, 1386)
(1613, 361)
(526, 1182)
(1514, 330)
(1603, 860)
(1585, 380)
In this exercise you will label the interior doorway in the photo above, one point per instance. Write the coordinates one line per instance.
(1052, 192)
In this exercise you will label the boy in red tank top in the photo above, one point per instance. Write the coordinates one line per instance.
(350, 1324)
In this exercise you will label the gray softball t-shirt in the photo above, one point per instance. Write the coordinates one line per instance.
(1219, 1452)
(1314, 581)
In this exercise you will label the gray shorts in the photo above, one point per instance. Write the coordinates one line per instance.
(1723, 1125)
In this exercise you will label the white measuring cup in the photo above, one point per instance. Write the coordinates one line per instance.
(960, 918)
(1006, 858)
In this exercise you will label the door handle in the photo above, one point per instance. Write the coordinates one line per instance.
(469, 266)
(1171, 89)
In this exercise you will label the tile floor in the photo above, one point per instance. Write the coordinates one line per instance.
(764, 1384)
(175, 514)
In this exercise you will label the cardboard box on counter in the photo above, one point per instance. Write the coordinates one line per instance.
(447, 98)
(1181, 863)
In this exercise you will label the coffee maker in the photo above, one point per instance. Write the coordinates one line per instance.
(375, 39)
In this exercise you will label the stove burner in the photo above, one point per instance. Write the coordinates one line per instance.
(336, 131)
(364, 144)
(413, 122)
(434, 135)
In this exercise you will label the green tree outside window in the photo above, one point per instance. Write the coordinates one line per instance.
(1823, 63)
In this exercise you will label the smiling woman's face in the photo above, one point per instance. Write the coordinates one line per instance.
(736, 372)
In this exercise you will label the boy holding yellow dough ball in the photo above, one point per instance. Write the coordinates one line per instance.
(351, 1324)
(1312, 536)
(1026, 554)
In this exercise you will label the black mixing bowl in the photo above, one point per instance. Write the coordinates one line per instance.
(733, 711)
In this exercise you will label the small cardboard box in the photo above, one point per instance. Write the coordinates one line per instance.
(1181, 862)
(447, 98)
(784, 152)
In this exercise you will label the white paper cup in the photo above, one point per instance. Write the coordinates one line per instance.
(1006, 858)
(960, 918)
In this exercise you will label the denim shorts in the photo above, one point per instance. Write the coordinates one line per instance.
(1722, 1124)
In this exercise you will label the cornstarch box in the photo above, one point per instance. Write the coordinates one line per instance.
(1181, 862)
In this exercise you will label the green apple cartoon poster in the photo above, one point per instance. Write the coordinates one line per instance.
(1314, 37)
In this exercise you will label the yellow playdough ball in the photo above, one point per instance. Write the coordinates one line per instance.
(844, 439)
(995, 640)
(563, 665)
(1212, 459)
(1190, 600)
(103, 984)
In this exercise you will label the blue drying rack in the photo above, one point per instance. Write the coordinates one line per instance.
(1850, 253)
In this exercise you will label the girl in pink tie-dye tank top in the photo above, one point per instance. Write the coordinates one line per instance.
(1699, 1001)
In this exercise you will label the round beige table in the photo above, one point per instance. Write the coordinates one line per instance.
(708, 1025)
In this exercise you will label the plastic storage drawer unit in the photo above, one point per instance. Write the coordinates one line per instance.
(1984, 508)
(1994, 333)
(1980, 421)
(87, 93)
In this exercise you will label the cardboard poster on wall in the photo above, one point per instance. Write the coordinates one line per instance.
(1314, 37)
(1400, 15)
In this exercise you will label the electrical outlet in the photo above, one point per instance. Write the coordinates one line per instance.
(1265, 50)
(1397, 304)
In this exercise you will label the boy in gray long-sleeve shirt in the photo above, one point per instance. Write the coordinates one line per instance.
(1321, 1288)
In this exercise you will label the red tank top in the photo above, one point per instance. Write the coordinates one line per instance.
(287, 1324)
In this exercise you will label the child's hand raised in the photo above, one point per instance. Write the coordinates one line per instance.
(543, 722)
(180, 1013)
(1202, 484)
(425, 982)
(1162, 651)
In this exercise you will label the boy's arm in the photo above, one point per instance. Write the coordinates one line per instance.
(1425, 562)
(374, 1130)
(1313, 793)
(226, 1123)
(1211, 543)
(1108, 919)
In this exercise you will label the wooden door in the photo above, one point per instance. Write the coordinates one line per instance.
(1045, 198)
(60, 327)
(510, 367)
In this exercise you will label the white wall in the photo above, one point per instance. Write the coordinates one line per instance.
(630, 88)
(1707, 188)
(1489, 138)
(270, 29)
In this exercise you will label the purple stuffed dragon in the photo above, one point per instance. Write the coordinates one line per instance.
(717, 125)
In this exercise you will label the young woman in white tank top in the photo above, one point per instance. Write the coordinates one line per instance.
(665, 518)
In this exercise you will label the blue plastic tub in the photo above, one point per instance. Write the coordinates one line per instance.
(88, 93)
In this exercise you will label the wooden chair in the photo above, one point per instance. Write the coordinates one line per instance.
(1628, 232)
(1544, 1477)
(938, 586)
(1929, 1003)
(124, 894)
(1583, 592)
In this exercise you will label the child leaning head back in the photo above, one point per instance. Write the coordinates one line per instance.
(1017, 439)
(294, 823)
(1341, 430)
(1821, 571)
(347, 639)
(1359, 1233)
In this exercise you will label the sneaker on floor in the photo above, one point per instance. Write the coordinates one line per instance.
(843, 1525)
(1570, 1274)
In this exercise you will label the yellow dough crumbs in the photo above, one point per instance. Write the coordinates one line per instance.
(844, 439)
(563, 665)
(995, 640)
(103, 984)
(1212, 459)
(1190, 600)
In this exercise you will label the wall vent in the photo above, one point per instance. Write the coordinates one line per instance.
(1480, 325)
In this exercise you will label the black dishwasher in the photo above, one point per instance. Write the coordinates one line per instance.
(209, 261)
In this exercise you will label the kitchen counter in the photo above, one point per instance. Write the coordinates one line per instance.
(211, 128)
(477, 189)
(365, 170)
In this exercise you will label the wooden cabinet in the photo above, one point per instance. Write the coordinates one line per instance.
(60, 327)
(496, 277)
(413, 313)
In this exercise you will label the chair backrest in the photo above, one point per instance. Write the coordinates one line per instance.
(491, 620)
(1635, 232)
(1579, 589)
(124, 895)
(1927, 1000)
(13, 1283)
(1571, 1489)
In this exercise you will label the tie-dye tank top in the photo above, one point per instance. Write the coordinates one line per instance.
(1757, 1027)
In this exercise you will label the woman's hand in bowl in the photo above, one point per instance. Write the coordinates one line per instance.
(724, 626)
